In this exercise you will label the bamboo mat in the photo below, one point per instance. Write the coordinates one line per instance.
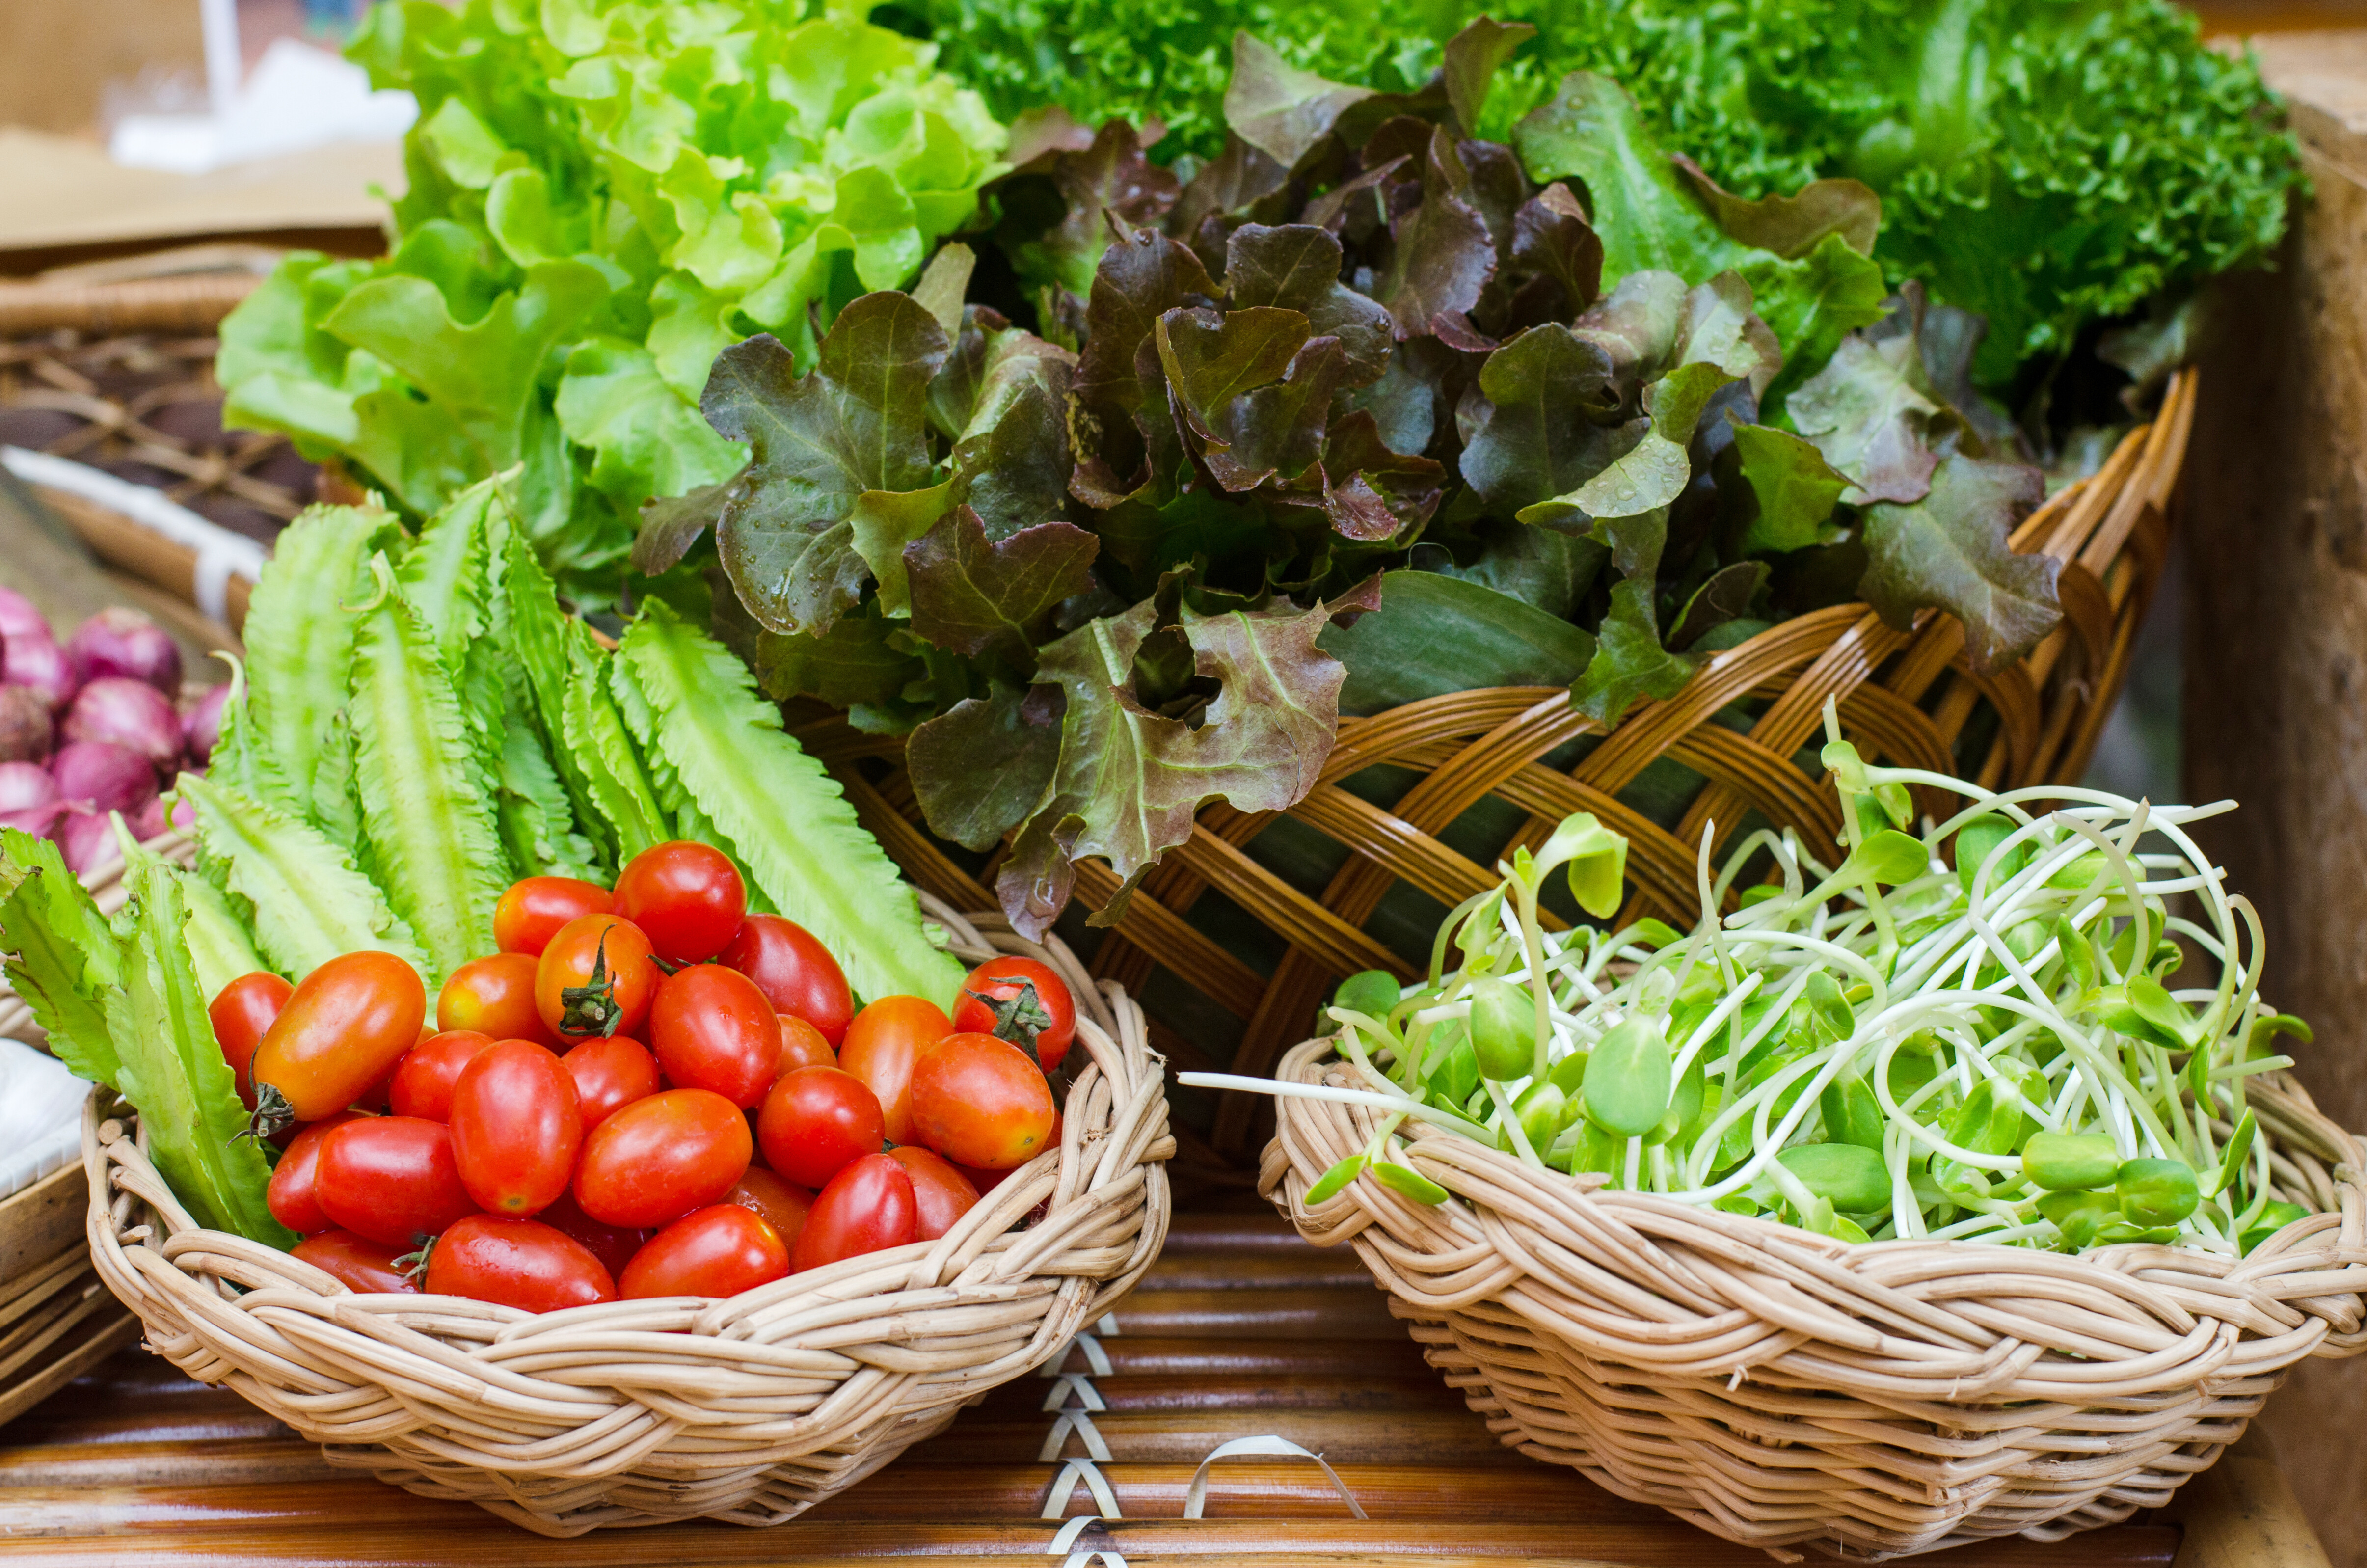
(1239, 1330)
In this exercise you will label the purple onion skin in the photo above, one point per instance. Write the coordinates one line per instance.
(201, 731)
(120, 641)
(26, 733)
(26, 786)
(127, 713)
(19, 618)
(88, 841)
(149, 821)
(39, 665)
(106, 777)
(39, 820)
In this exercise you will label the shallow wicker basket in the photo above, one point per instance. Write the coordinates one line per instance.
(1737, 733)
(1780, 1388)
(748, 1410)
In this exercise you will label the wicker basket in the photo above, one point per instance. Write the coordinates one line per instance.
(748, 1410)
(1907, 696)
(1778, 1388)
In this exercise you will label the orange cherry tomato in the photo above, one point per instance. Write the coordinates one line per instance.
(978, 1100)
(575, 1004)
(689, 897)
(343, 1029)
(657, 1159)
(791, 966)
(614, 1245)
(720, 1251)
(780, 1204)
(391, 1178)
(610, 1073)
(423, 1079)
(1042, 1015)
(802, 1046)
(868, 1207)
(241, 1012)
(290, 1195)
(516, 1129)
(711, 1029)
(531, 913)
(516, 1263)
(941, 1194)
(494, 997)
(881, 1045)
(358, 1263)
(816, 1121)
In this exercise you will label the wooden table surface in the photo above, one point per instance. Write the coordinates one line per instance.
(1241, 1329)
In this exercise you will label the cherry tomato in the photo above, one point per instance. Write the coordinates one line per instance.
(242, 1013)
(985, 1181)
(978, 1100)
(802, 1046)
(780, 1204)
(868, 1207)
(358, 1263)
(610, 1073)
(882, 1044)
(391, 1179)
(342, 1029)
(657, 1159)
(516, 1129)
(530, 914)
(379, 1098)
(516, 1263)
(291, 1195)
(796, 971)
(423, 1079)
(614, 1245)
(688, 897)
(494, 996)
(941, 1194)
(816, 1121)
(720, 1251)
(619, 1001)
(711, 1029)
(1043, 1014)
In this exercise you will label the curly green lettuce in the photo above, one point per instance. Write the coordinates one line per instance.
(603, 195)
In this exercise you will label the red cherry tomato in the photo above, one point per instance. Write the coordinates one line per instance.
(343, 1029)
(868, 1207)
(618, 1003)
(941, 1194)
(516, 1129)
(291, 1195)
(423, 1079)
(980, 1101)
(358, 1263)
(391, 1179)
(614, 1245)
(1045, 1014)
(242, 1013)
(711, 1029)
(610, 1073)
(816, 1121)
(688, 897)
(516, 1263)
(495, 997)
(720, 1251)
(881, 1046)
(802, 1046)
(985, 1181)
(796, 971)
(657, 1159)
(530, 914)
(780, 1204)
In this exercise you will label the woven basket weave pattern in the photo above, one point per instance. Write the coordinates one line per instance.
(748, 1410)
(1910, 697)
(1781, 1388)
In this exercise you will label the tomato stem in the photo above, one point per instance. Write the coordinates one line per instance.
(591, 1008)
(273, 1114)
(1018, 1019)
(414, 1264)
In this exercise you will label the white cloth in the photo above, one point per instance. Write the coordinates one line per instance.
(300, 98)
(40, 1115)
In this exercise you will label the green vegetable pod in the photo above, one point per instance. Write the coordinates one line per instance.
(1850, 1176)
(2063, 1162)
(1628, 1078)
(2157, 1192)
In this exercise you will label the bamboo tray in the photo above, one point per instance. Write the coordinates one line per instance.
(1239, 1328)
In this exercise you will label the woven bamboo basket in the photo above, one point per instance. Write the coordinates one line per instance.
(1908, 697)
(1780, 1388)
(748, 1410)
